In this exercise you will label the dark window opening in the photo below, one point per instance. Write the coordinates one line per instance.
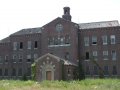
(106, 72)
(0, 72)
(94, 42)
(14, 72)
(36, 44)
(69, 71)
(87, 55)
(66, 12)
(28, 71)
(21, 45)
(95, 72)
(67, 40)
(20, 72)
(6, 58)
(6, 72)
(114, 72)
(87, 71)
(28, 60)
(67, 55)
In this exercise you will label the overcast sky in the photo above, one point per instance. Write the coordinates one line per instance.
(18, 14)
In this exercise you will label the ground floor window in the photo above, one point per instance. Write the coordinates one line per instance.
(20, 72)
(87, 70)
(114, 72)
(106, 71)
(28, 71)
(6, 72)
(95, 70)
(0, 72)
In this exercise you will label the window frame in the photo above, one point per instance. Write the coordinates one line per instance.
(86, 41)
(105, 54)
(104, 39)
(112, 39)
(94, 40)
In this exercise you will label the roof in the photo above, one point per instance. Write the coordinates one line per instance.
(22, 32)
(66, 62)
(99, 24)
(28, 31)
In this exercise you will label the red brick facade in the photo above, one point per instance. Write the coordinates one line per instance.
(58, 41)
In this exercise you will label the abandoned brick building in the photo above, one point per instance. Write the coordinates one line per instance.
(56, 46)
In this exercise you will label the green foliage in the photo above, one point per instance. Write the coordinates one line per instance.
(33, 67)
(87, 84)
(24, 78)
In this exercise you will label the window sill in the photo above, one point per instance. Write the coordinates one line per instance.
(86, 45)
(29, 48)
(6, 62)
(114, 59)
(58, 45)
(104, 43)
(94, 44)
(95, 75)
(69, 75)
(35, 48)
(28, 62)
(20, 49)
(105, 59)
(87, 60)
(20, 62)
(14, 62)
(87, 75)
(114, 75)
(1, 63)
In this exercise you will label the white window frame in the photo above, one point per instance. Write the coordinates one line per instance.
(94, 39)
(112, 38)
(6, 58)
(29, 44)
(35, 56)
(14, 45)
(95, 56)
(113, 58)
(104, 39)
(86, 41)
(14, 58)
(105, 53)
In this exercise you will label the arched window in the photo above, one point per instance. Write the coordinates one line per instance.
(67, 39)
(61, 40)
(50, 41)
(56, 41)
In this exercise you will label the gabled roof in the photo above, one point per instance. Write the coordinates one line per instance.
(99, 24)
(66, 62)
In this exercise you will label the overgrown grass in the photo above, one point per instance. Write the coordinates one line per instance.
(87, 84)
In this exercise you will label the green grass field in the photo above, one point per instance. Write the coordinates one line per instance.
(87, 84)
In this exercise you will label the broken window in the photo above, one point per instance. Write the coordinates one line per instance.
(36, 44)
(21, 45)
(94, 40)
(87, 55)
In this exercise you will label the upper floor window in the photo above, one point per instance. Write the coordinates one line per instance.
(14, 58)
(105, 54)
(56, 41)
(20, 58)
(94, 40)
(113, 55)
(50, 41)
(35, 56)
(67, 55)
(1, 59)
(112, 38)
(87, 55)
(15, 46)
(67, 39)
(29, 44)
(104, 38)
(86, 41)
(36, 44)
(6, 58)
(21, 45)
(94, 54)
(61, 40)
(28, 58)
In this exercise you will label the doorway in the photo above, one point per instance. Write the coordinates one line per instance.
(48, 75)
